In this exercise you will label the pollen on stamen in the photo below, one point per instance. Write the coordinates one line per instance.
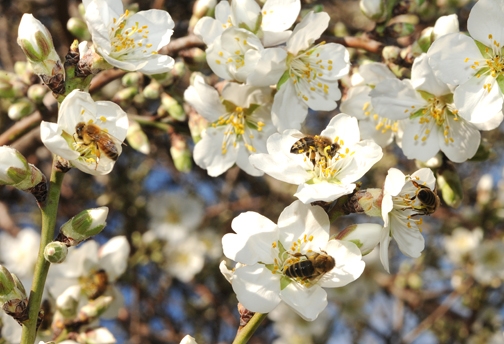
(103, 119)
(82, 112)
(274, 245)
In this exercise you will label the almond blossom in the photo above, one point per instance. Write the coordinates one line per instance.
(475, 64)
(127, 40)
(240, 124)
(434, 123)
(402, 210)
(325, 178)
(270, 24)
(267, 250)
(62, 138)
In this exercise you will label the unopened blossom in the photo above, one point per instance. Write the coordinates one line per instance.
(402, 212)
(94, 269)
(461, 243)
(127, 40)
(239, 125)
(433, 121)
(62, 138)
(475, 63)
(307, 75)
(267, 251)
(357, 102)
(37, 44)
(327, 177)
(270, 24)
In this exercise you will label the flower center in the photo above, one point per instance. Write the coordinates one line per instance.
(382, 124)
(239, 125)
(436, 112)
(128, 41)
(493, 62)
(236, 58)
(307, 67)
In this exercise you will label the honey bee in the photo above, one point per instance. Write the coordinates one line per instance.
(427, 197)
(316, 148)
(310, 269)
(98, 140)
(96, 284)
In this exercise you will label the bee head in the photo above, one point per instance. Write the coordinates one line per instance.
(78, 129)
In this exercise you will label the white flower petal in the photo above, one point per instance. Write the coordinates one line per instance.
(253, 241)
(307, 31)
(349, 264)
(113, 257)
(307, 302)
(256, 288)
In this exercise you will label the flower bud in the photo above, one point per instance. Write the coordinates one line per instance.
(201, 8)
(424, 41)
(188, 340)
(197, 124)
(95, 308)
(152, 90)
(171, 105)
(78, 28)
(21, 108)
(68, 301)
(14, 168)
(365, 235)
(180, 154)
(450, 185)
(6, 89)
(55, 252)
(374, 10)
(370, 201)
(6, 283)
(137, 138)
(400, 29)
(36, 93)
(131, 79)
(37, 44)
(125, 95)
(83, 226)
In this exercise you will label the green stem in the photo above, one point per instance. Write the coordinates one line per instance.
(248, 330)
(49, 212)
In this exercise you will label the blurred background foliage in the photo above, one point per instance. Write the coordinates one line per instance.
(173, 285)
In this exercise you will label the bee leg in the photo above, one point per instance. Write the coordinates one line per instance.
(98, 154)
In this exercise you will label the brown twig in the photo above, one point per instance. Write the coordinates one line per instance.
(186, 42)
(362, 42)
(20, 128)
(438, 313)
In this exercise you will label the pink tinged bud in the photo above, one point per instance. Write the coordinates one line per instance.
(55, 252)
(370, 201)
(365, 235)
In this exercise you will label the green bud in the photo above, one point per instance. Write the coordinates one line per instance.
(21, 108)
(131, 79)
(14, 168)
(67, 303)
(83, 226)
(19, 286)
(152, 90)
(95, 308)
(7, 283)
(137, 138)
(78, 28)
(6, 89)
(125, 95)
(374, 10)
(36, 93)
(55, 252)
(401, 29)
(197, 124)
(179, 69)
(365, 235)
(36, 42)
(173, 107)
(450, 185)
(181, 155)
(391, 53)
